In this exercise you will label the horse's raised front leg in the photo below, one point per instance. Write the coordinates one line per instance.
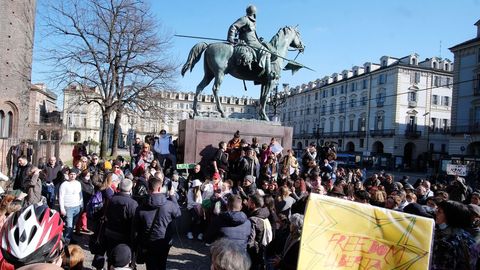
(216, 88)
(207, 78)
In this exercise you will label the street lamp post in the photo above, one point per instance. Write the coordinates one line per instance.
(132, 120)
(89, 145)
(276, 100)
(427, 130)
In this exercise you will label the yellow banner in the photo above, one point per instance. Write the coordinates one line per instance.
(340, 234)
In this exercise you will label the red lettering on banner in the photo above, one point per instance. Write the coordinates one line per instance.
(337, 239)
(378, 248)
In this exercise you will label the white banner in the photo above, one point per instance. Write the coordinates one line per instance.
(455, 169)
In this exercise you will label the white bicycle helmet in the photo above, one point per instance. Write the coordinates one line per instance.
(32, 235)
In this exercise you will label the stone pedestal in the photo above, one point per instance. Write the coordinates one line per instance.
(198, 138)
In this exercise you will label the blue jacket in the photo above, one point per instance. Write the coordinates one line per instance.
(234, 226)
(162, 228)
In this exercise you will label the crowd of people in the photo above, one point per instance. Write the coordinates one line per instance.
(247, 204)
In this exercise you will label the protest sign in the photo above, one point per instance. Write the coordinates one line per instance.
(457, 169)
(341, 234)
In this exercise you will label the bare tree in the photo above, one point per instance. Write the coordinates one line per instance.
(114, 46)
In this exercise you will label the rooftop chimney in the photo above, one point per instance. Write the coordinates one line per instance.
(478, 28)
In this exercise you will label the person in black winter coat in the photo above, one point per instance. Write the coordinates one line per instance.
(233, 224)
(249, 187)
(23, 168)
(153, 223)
(120, 217)
(258, 217)
(140, 190)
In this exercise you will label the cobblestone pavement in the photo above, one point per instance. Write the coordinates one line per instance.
(185, 254)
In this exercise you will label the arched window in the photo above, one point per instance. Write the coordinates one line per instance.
(76, 136)
(8, 125)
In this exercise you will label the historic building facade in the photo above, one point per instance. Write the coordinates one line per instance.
(16, 44)
(45, 119)
(465, 138)
(394, 112)
(82, 121)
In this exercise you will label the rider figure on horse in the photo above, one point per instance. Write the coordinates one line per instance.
(245, 29)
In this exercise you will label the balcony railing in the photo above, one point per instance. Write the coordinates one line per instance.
(437, 130)
(412, 134)
(335, 134)
(354, 134)
(467, 129)
(382, 132)
(412, 104)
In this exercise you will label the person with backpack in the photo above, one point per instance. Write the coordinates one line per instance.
(153, 223)
(140, 190)
(233, 225)
(261, 233)
(97, 208)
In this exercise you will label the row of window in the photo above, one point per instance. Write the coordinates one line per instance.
(438, 123)
(204, 98)
(342, 89)
(360, 125)
(440, 100)
(436, 99)
(380, 100)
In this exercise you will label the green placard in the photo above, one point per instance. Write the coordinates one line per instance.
(185, 166)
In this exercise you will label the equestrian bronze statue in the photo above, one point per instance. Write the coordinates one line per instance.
(246, 58)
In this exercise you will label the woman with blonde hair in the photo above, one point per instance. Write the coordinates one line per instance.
(290, 163)
(284, 201)
(146, 156)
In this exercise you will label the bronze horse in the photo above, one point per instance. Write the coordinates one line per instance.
(220, 59)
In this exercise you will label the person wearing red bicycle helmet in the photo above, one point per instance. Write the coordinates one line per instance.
(32, 235)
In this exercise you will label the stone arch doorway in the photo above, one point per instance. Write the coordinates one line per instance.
(350, 147)
(55, 135)
(409, 154)
(473, 149)
(377, 147)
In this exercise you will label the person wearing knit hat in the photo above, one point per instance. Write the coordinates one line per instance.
(216, 175)
(107, 166)
(120, 257)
